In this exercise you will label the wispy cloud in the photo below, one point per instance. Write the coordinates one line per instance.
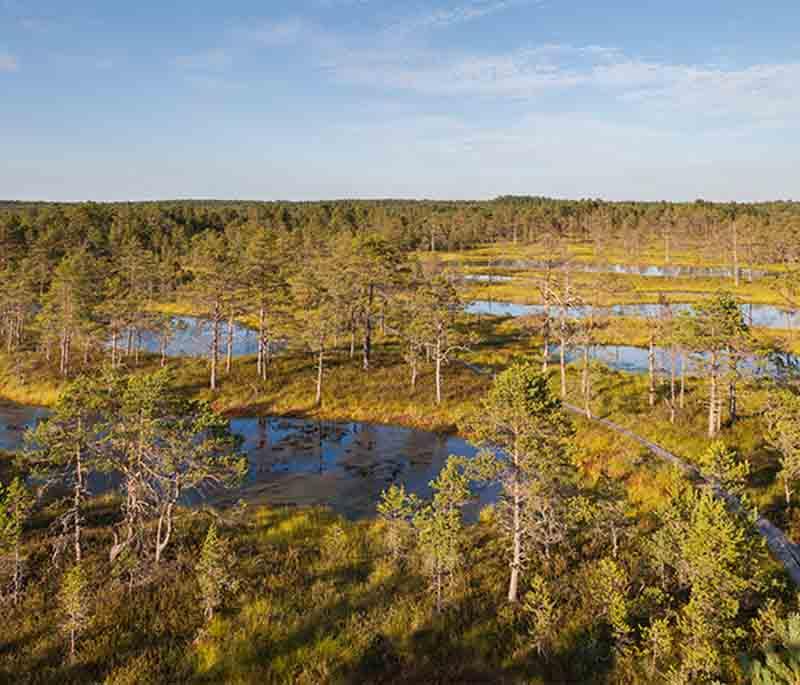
(285, 32)
(463, 13)
(760, 89)
(210, 60)
(8, 63)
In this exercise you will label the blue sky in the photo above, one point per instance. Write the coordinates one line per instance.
(320, 99)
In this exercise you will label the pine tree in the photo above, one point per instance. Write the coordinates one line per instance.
(214, 572)
(723, 465)
(73, 601)
(397, 508)
(523, 431)
(439, 527)
(15, 506)
(783, 433)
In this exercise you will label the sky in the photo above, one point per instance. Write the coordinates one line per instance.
(444, 99)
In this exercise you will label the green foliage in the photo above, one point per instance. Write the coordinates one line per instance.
(781, 659)
(543, 614)
(716, 557)
(783, 433)
(439, 527)
(724, 466)
(73, 601)
(398, 509)
(15, 507)
(215, 572)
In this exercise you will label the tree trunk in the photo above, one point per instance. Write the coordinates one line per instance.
(516, 555)
(368, 327)
(651, 367)
(735, 254)
(712, 396)
(214, 345)
(787, 491)
(546, 333)
(683, 379)
(672, 398)
(438, 362)
(229, 345)
(72, 645)
(260, 361)
(320, 363)
(76, 500)
(586, 383)
(161, 543)
(562, 361)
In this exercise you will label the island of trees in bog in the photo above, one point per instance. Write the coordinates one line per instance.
(516, 441)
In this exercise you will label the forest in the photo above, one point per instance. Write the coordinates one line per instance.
(523, 440)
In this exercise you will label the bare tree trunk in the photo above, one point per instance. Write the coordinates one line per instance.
(735, 254)
(260, 361)
(320, 363)
(72, 645)
(229, 345)
(438, 362)
(368, 327)
(712, 396)
(76, 500)
(516, 555)
(683, 379)
(672, 398)
(651, 366)
(546, 332)
(214, 345)
(114, 349)
(586, 388)
(161, 543)
(562, 361)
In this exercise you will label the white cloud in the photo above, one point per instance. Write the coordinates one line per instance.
(760, 89)
(8, 63)
(279, 33)
(460, 14)
(211, 60)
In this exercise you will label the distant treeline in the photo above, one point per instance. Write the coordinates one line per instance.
(758, 232)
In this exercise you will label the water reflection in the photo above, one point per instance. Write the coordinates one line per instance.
(646, 270)
(191, 336)
(762, 315)
(15, 419)
(342, 465)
